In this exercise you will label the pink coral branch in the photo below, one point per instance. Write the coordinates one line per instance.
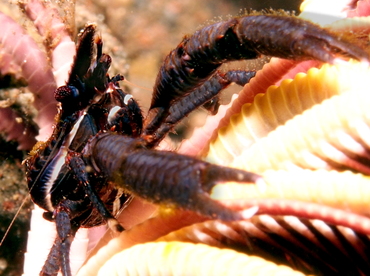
(33, 63)
(16, 130)
(50, 25)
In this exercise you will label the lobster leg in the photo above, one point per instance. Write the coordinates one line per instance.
(79, 168)
(66, 226)
(59, 254)
(66, 235)
(52, 264)
(163, 177)
(239, 77)
(203, 95)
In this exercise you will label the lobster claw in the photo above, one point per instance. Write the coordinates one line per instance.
(163, 177)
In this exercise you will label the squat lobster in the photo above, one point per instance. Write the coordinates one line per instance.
(101, 140)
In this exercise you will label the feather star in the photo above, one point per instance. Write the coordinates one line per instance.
(304, 127)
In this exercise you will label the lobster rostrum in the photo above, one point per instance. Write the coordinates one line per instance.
(101, 142)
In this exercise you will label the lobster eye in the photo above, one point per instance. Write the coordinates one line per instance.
(66, 92)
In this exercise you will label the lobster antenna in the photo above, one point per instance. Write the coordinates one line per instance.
(13, 220)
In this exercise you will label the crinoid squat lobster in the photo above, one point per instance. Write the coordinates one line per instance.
(101, 138)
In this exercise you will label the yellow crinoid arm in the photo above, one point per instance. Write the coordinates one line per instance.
(178, 258)
(282, 103)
